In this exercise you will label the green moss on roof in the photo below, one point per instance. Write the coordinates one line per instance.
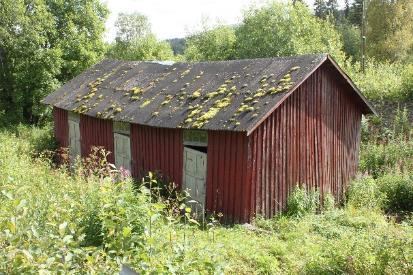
(145, 103)
(196, 94)
(136, 90)
(211, 95)
(267, 78)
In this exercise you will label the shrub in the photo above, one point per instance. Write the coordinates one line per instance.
(39, 139)
(379, 158)
(364, 193)
(328, 202)
(398, 190)
(96, 164)
(61, 223)
(401, 123)
(407, 84)
(301, 202)
(381, 81)
(392, 193)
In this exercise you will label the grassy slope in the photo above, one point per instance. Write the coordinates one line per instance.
(51, 221)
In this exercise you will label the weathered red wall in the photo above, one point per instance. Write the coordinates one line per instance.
(157, 149)
(312, 138)
(226, 174)
(61, 126)
(96, 132)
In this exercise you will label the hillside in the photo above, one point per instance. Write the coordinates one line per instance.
(177, 45)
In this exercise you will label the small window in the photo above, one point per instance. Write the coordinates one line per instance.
(195, 138)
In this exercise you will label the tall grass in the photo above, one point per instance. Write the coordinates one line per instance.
(55, 222)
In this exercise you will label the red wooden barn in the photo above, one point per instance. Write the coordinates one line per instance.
(240, 135)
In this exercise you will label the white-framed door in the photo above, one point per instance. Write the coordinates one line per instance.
(194, 178)
(74, 139)
(122, 151)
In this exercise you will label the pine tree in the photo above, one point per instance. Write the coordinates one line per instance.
(356, 12)
(320, 8)
(346, 8)
(324, 8)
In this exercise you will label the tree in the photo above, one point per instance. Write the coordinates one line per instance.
(211, 44)
(346, 8)
(147, 48)
(355, 12)
(351, 40)
(282, 30)
(298, 1)
(43, 43)
(325, 8)
(320, 8)
(390, 29)
(135, 41)
(132, 27)
(178, 45)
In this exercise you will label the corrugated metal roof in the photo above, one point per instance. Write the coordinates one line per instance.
(219, 95)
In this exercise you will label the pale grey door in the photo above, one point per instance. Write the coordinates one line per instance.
(122, 151)
(195, 169)
(74, 139)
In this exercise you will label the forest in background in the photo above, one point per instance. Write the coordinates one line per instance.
(43, 44)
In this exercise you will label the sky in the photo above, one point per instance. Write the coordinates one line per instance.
(178, 18)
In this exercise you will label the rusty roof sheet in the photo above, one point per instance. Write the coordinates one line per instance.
(219, 95)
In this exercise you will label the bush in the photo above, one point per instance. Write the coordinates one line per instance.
(365, 193)
(381, 81)
(53, 221)
(39, 139)
(407, 84)
(398, 190)
(328, 202)
(393, 193)
(301, 202)
(377, 159)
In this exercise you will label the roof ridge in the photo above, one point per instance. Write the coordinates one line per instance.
(315, 55)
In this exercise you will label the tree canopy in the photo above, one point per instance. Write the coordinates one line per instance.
(212, 44)
(43, 44)
(135, 40)
(276, 29)
(132, 27)
(283, 29)
(390, 29)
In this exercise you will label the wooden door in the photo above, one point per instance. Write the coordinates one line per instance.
(122, 151)
(194, 180)
(74, 139)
